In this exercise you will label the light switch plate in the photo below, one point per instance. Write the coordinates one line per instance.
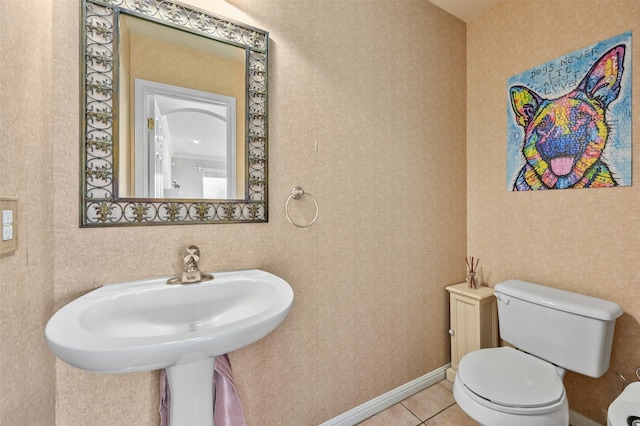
(7, 217)
(9, 241)
(7, 232)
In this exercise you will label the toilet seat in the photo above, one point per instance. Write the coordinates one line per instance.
(511, 381)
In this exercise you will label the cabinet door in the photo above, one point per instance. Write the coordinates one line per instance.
(464, 323)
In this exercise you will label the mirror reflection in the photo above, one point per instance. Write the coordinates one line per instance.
(186, 91)
(174, 116)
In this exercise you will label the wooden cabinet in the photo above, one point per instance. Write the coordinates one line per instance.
(474, 322)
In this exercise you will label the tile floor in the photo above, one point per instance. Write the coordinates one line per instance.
(433, 406)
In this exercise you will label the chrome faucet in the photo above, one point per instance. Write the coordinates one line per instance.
(190, 272)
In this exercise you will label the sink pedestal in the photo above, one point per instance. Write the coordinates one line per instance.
(192, 392)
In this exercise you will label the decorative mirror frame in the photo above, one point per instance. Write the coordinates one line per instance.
(100, 204)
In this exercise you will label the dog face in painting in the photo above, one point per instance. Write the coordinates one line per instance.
(564, 137)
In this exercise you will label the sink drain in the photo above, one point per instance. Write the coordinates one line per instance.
(633, 420)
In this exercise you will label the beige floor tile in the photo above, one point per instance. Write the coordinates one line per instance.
(396, 415)
(451, 416)
(429, 402)
(447, 384)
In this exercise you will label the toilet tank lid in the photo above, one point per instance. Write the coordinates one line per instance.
(561, 300)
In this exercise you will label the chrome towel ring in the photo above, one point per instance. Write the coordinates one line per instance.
(297, 193)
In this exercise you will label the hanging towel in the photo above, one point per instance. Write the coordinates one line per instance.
(165, 399)
(227, 405)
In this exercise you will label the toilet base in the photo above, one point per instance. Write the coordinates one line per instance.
(489, 417)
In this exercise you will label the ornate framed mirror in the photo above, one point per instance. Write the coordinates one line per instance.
(173, 116)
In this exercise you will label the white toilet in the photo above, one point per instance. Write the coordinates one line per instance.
(554, 331)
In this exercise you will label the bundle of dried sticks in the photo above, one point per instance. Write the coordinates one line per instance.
(471, 272)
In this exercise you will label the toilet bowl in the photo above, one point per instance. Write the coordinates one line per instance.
(506, 387)
(554, 331)
(625, 409)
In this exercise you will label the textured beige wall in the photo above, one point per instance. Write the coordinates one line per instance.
(379, 88)
(381, 92)
(27, 380)
(581, 240)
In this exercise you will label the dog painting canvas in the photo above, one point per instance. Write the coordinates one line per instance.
(569, 120)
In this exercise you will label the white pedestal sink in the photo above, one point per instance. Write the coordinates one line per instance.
(149, 325)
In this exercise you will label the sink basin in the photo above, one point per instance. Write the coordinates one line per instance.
(149, 325)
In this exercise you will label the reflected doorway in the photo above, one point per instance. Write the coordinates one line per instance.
(185, 143)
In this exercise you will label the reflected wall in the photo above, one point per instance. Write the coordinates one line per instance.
(151, 52)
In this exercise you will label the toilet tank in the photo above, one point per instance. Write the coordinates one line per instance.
(570, 330)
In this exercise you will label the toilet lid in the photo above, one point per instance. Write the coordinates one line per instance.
(511, 378)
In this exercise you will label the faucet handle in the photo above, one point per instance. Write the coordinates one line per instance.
(191, 255)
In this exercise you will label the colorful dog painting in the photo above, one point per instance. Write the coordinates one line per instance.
(564, 137)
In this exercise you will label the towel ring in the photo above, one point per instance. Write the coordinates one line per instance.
(297, 193)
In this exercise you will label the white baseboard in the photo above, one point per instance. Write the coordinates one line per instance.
(577, 419)
(384, 401)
